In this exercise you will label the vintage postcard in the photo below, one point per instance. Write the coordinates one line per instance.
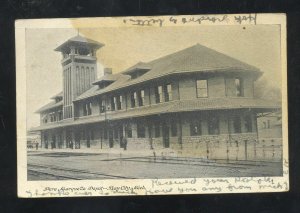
(152, 105)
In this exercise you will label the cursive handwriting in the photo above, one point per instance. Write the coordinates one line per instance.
(198, 19)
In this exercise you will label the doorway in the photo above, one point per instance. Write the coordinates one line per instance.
(166, 135)
(110, 138)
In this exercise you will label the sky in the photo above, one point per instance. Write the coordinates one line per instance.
(257, 45)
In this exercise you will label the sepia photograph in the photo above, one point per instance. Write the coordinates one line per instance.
(165, 99)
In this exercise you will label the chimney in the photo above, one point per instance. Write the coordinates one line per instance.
(107, 71)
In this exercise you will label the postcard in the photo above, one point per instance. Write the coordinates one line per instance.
(160, 105)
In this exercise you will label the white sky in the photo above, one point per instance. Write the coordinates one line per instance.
(257, 45)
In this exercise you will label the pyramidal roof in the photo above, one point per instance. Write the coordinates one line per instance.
(80, 40)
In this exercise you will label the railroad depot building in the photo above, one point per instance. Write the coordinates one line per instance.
(180, 101)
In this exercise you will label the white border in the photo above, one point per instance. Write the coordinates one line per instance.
(139, 186)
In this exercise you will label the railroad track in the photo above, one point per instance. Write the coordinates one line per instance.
(68, 174)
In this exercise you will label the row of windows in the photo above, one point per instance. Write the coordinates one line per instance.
(165, 92)
(53, 117)
(202, 88)
(213, 125)
(162, 93)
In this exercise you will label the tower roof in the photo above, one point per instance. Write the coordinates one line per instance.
(79, 41)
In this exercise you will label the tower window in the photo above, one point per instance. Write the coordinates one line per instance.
(202, 91)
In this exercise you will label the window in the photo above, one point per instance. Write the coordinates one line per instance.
(118, 102)
(213, 125)
(168, 92)
(248, 123)
(195, 128)
(133, 98)
(201, 86)
(89, 105)
(87, 109)
(101, 106)
(173, 129)
(113, 103)
(141, 97)
(237, 125)
(157, 129)
(265, 125)
(158, 94)
(141, 131)
(238, 87)
(129, 131)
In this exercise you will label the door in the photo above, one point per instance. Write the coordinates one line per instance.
(77, 140)
(53, 144)
(69, 140)
(88, 139)
(110, 139)
(166, 136)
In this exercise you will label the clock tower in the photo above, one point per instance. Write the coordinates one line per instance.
(79, 64)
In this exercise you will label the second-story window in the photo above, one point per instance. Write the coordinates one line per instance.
(168, 92)
(113, 103)
(201, 86)
(238, 82)
(119, 102)
(141, 97)
(158, 94)
(102, 107)
(87, 109)
(133, 99)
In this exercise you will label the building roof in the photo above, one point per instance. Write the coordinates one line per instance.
(108, 77)
(50, 105)
(205, 104)
(196, 59)
(58, 95)
(139, 66)
(79, 40)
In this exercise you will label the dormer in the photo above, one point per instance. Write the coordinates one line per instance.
(107, 79)
(137, 70)
(58, 97)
